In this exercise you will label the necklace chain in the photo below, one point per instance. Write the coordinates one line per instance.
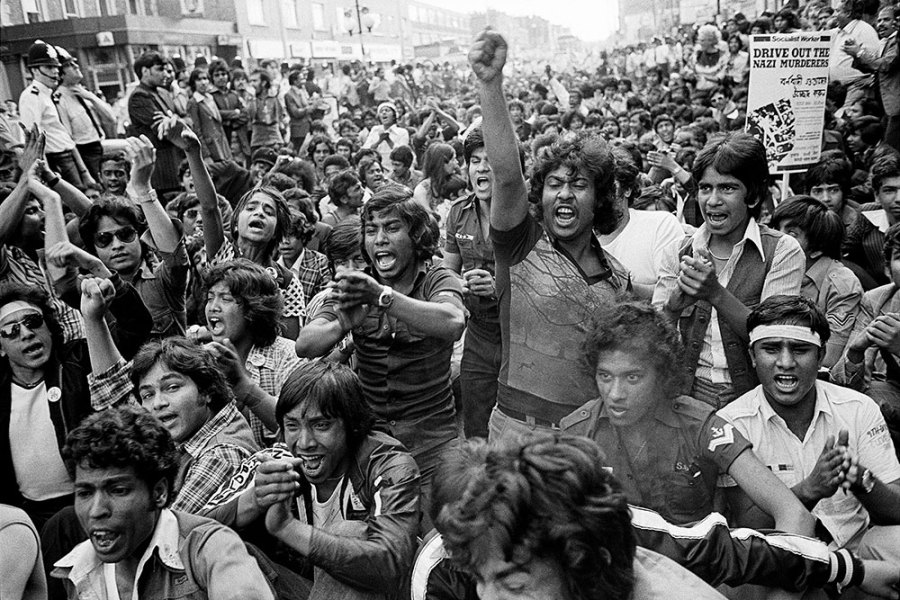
(709, 249)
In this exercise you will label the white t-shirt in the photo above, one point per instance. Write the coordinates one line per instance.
(792, 459)
(640, 245)
(39, 467)
(328, 512)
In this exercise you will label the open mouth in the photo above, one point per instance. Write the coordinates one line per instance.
(312, 464)
(104, 540)
(716, 218)
(786, 384)
(256, 224)
(482, 183)
(384, 261)
(565, 216)
(34, 350)
(216, 326)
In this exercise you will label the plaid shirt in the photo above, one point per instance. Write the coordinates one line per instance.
(294, 300)
(269, 367)
(312, 269)
(111, 386)
(211, 457)
(16, 266)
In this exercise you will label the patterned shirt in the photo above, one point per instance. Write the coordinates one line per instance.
(211, 457)
(269, 367)
(16, 266)
(312, 270)
(111, 386)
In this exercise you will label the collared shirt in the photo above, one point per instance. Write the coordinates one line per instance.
(405, 375)
(36, 106)
(864, 242)
(76, 116)
(785, 277)
(210, 458)
(16, 266)
(675, 472)
(188, 557)
(836, 290)
(311, 270)
(162, 288)
(269, 367)
(465, 237)
(793, 459)
(111, 386)
(398, 136)
(882, 300)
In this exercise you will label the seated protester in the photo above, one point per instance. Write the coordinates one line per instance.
(827, 282)
(258, 224)
(182, 386)
(124, 463)
(640, 236)
(709, 281)
(345, 193)
(864, 241)
(115, 170)
(523, 511)
(829, 181)
(669, 451)
(242, 333)
(869, 363)
(405, 316)
(308, 266)
(112, 230)
(547, 262)
(709, 549)
(349, 501)
(828, 443)
(47, 386)
(401, 167)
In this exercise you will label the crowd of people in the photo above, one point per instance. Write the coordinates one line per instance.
(446, 334)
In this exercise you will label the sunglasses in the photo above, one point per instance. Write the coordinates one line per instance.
(31, 321)
(126, 235)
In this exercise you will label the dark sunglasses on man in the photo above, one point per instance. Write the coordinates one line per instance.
(126, 235)
(32, 321)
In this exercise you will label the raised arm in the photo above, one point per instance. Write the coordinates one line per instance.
(509, 205)
(96, 294)
(213, 229)
(142, 155)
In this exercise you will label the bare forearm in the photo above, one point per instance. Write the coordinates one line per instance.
(72, 197)
(213, 229)
(165, 235)
(11, 211)
(101, 347)
(883, 503)
(440, 320)
(734, 311)
(509, 204)
(318, 337)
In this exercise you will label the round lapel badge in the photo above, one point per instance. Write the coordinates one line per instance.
(54, 394)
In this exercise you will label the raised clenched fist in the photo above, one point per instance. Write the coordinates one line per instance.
(488, 55)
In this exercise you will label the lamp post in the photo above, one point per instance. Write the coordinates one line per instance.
(363, 19)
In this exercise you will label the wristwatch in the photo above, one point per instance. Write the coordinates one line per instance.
(386, 297)
(865, 484)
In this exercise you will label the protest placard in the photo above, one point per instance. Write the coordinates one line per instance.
(786, 100)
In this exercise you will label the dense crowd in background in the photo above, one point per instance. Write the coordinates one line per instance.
(289, 330)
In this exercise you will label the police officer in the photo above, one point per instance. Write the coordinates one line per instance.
(81, 112)
(36, 105)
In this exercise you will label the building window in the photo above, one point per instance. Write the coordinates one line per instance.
(32, 11)
(318, 16)
(71, 8)
(255, 12)
(289, 13)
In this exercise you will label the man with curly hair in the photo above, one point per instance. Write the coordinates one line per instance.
(551, 272)
(124, 462)
(543, 519)
(669, 451)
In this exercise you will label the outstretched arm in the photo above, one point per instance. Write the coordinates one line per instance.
(142, 155)
(509, 204)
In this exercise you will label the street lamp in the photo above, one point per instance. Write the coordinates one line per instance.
(364, 18)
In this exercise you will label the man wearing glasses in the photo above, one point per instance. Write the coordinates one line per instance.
(111, 230)
(36, 106)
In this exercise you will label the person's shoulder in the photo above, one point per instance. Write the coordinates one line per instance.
(579, 419)
(744, 406)
(879, 296)
(842, 278)
(842, 396)
(382, 452)
(691, 409)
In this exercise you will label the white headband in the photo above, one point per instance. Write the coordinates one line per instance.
(16, 306)
(793, 332)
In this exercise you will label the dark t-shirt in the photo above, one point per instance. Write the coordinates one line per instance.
(404, 374)
(546, 306)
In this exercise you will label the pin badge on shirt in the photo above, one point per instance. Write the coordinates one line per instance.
(54, 394)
